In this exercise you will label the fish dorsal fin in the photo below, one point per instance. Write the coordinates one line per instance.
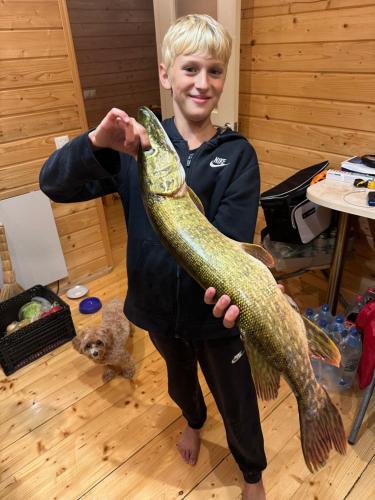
(195, 198)
(266, 378)
(320, 345)
(259, 253)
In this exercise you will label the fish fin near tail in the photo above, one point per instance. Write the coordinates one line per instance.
(266, 378)
(321, 431)
(258, 252)
(320, 345)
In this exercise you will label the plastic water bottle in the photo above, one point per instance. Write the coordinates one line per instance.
(309, 313)
(317, 364)
(350, 355)
(354, 310)
(321, 243)
(322, 312)
(331, 374)
(326, 315)
(338, 329)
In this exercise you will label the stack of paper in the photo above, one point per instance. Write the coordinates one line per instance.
(356, 164)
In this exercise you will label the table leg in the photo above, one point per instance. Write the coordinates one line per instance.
(362, 410)
(337, 261)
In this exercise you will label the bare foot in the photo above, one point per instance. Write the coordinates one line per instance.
(188, 445)
(254, 491)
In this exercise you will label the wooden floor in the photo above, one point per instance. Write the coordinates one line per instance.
(63, 434)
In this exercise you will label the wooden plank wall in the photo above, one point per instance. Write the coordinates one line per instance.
(116, 53)
(307, 92)
(41, 99)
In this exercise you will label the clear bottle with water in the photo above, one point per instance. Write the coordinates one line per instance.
(325, 313)
(353, 311)
(332, 374)
(322, 312)
(309, 313)
(317, 364)
(338, 330)
(307, 250)
(321, 244)
(351, 350)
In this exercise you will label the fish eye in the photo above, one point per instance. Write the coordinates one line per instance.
(149, 152)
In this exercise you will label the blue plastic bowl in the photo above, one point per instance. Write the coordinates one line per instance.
(90, 305)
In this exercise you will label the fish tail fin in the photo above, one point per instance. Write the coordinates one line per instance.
(321, 431)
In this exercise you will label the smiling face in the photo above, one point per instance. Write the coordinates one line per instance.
(196, 82)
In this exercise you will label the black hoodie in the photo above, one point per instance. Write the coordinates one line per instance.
(223, 172)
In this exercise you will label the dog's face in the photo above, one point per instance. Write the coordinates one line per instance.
(94, 343)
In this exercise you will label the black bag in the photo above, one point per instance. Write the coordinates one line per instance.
(289, 215)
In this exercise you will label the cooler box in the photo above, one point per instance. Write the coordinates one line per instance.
(289, 215)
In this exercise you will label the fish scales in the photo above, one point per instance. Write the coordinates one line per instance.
(274, 334)
(190, 238)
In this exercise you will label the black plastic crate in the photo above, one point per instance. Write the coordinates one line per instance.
(23, 346)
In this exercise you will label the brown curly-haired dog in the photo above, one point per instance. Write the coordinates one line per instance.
(105, 343)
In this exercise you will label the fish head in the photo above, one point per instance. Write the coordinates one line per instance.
(161, 172)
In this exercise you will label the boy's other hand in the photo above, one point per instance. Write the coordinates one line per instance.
(120, 132)
(223, 306)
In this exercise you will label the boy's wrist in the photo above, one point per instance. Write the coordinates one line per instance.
(92, 140)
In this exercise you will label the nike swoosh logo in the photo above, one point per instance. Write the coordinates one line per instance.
(215, 165)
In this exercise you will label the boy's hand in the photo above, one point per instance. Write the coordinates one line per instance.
(223, 307)
(120, 132)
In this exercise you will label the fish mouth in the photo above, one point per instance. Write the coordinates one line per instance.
(161, 172)
(146, 116)
(156, 133)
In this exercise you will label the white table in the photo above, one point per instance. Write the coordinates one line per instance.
(347, 200)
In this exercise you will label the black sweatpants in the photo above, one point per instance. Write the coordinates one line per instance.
(228, 376)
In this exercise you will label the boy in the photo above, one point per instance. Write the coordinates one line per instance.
(221, 167)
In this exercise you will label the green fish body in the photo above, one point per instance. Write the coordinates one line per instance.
(277, 339)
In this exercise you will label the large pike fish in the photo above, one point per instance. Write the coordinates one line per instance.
(277, 339)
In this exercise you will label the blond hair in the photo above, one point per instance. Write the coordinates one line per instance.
(196, 34)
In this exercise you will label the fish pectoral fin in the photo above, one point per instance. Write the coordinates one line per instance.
(195, 198)
(320, 345)
(266, 378)
(259, 253)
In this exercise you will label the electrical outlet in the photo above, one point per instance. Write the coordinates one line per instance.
(89, 93)
(61, 141)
